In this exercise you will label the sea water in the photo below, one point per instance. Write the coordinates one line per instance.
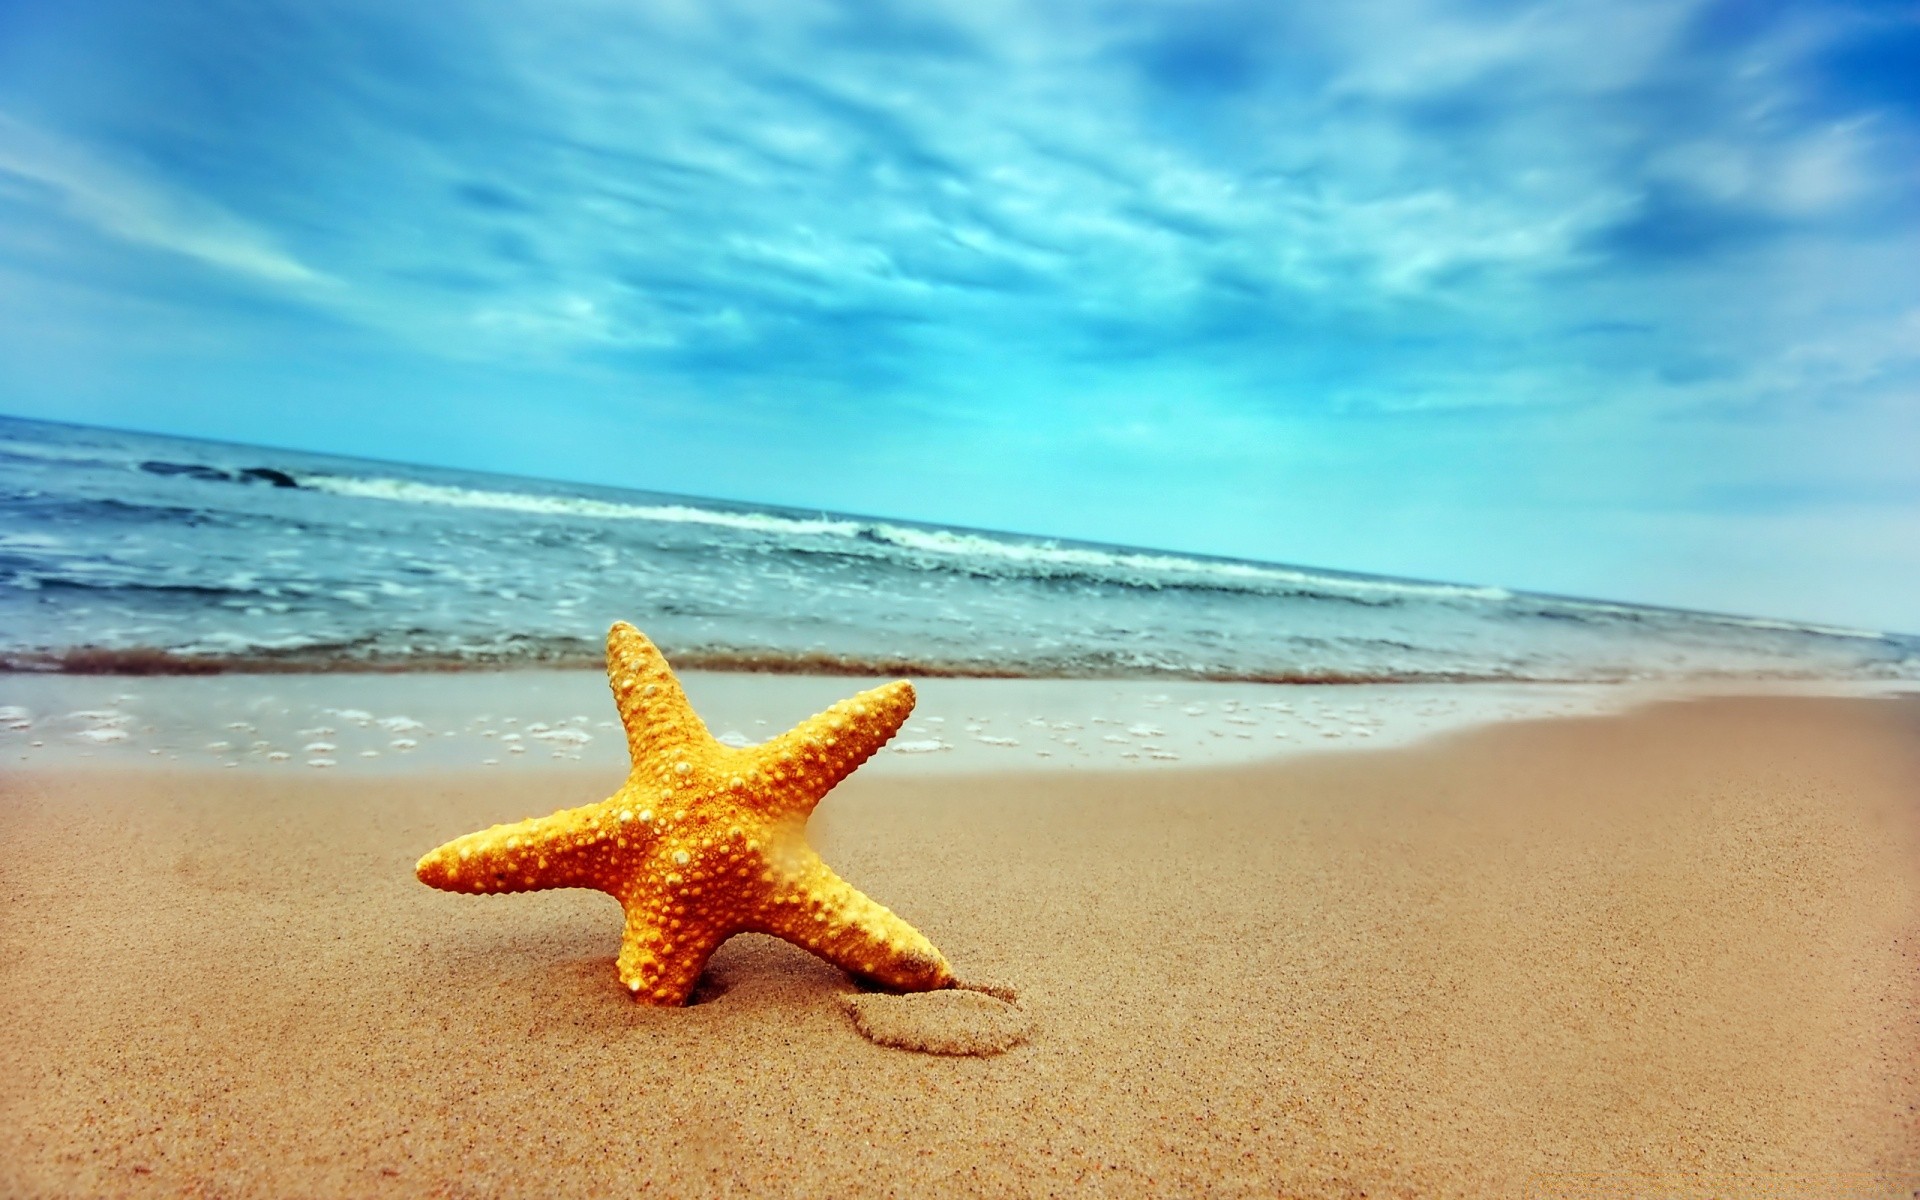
(136, 553)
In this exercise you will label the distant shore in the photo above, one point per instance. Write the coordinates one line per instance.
(1666, 952)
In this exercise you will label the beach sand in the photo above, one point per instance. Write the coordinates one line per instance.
(1674, 952)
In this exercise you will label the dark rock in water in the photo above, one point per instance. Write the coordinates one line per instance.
(191, 470)
(269, 475)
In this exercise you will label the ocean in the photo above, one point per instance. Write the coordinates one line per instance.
(132, 553)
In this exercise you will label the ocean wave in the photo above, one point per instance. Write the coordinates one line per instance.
(42, 542)
(950, 548)
(1144, 566)
(579, 654)
(409, 491)
(1561, 606)
(1836, 631)
(53, 453)
(43, 580)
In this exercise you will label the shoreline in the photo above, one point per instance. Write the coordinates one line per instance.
(1671, 951)
(380, 724)
(144, 661)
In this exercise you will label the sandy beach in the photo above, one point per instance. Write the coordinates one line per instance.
(1669, 952)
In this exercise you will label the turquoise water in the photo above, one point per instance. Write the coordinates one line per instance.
(129, 552)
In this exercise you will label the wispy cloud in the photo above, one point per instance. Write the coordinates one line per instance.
(138, 209)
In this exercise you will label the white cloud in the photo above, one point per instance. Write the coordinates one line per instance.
(1822, 170)
(1415, 47)
(123, 205)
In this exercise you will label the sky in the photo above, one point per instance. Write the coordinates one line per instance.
(1613, 299)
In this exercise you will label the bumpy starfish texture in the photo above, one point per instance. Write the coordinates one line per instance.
(705, 841)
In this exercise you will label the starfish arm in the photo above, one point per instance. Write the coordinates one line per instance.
(818, 753)
(658, 717)
(568, 849)
(827, 915)
(659, 966)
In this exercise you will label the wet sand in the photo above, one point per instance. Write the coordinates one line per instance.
(1675, 952)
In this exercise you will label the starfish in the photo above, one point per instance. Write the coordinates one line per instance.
(705, 841)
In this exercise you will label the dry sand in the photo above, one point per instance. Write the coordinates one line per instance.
(1671, 953)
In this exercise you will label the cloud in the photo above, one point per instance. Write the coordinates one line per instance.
(775, 189)
(140, 211)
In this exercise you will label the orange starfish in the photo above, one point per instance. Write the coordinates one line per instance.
(706, 841)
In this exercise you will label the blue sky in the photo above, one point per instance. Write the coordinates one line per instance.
(1614, 298)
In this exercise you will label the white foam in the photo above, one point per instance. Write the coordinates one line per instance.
(1163, 569)
(1767, 623)
(1839, 631)
(1138, 567)
(52, 453)
(919, 746)
(412, 492)
(29, 541)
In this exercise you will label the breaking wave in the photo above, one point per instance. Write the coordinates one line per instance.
(580, 655)
(959, 549)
